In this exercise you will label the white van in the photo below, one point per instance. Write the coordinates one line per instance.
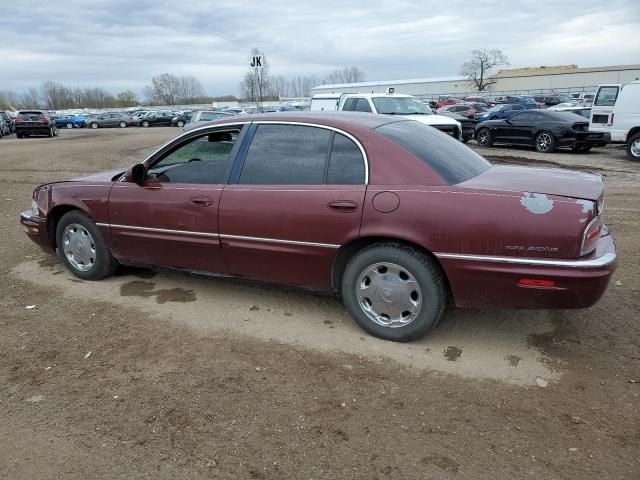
(386, 103)
(616, 110)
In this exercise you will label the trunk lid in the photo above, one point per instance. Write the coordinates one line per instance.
(549, 181)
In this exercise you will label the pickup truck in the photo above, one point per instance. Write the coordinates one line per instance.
(616, 111)
(388, 104)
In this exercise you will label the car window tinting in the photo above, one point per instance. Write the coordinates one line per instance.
(201, 161)
(349, 104)
(450, 159)
(286, 155)
(346, 165)
(606, 97)
(362, 105)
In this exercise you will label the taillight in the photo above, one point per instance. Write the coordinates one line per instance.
(18, 120)
(591, 236)
(43, 120)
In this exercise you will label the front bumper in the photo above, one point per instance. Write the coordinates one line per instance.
(36, 229)
(481, 281)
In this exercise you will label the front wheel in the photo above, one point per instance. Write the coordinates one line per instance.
(393, 291)
(145, 124)
(483, 137)
(123, 124)
(82, 248)
(545, 142)
(633, 148)
(94, 125)
(180, 123)
(69, 125)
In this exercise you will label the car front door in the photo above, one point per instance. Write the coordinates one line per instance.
(293, 199)
(172, 218)
(516, 129)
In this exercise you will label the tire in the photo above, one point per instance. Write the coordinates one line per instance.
(56, 132)
(19, 135)
(633, 148)
(93, 125)
(123, 124)
(545, 142)
(180, 123)
(145, 124)
(483, 137)
(69, 125)
(50, 133)
(82, 248)
(397, 265)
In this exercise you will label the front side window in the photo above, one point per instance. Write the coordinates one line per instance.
(362, 105)
(400, 106)
(349, 104)
(203, 160)
(286, 155)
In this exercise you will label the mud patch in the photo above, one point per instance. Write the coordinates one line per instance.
(452, 353)
(513, 360)
(143, 289)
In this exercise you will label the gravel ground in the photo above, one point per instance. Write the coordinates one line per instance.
(168, 375)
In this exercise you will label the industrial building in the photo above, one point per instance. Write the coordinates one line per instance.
(559, 79)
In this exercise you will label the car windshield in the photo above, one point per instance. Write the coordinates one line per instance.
(449, 158)
(400, 106)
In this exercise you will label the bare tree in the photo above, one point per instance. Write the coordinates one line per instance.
(479, 66)
(56, 96)
(126, 99)
(9, 100)
(189, 89)
(345, 75)
(165, 89)
(256, 87)
(30, 98)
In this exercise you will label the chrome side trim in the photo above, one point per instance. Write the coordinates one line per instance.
(276, 240)
(159, 230)
(603, 261)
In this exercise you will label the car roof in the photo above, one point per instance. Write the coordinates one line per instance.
(344, 120)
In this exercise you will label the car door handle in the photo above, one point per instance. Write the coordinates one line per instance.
(202, 201)
(343, 206)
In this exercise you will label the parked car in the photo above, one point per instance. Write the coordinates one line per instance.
(5, 128)
(202, 117)
(35, 122)
(162, 117)
(499, 111)
(616, 111)
(526, 101)
(9, 120)
(551, 100)
(181, 119)
(110, 119)
(70, 121)
(374, 207)
(462, 109)
(572, 107)
(478, 99)
(545, 130)
(444, 100)
(468, 124)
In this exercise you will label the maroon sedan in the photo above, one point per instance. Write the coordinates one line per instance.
(394, 215)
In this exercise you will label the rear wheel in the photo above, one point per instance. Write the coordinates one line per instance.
(483, 137)
(633, 148)
(69, 125)
(123, 124)
(82, 248)
(145, 124)
(180, 123)
(94, 125)
(393, 291)
(545, 142)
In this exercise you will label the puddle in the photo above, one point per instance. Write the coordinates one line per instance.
(507, 345)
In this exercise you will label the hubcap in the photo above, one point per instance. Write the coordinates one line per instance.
(79, 247)
(483, 136)
(635, 148)
(389, 294)
(544, 142)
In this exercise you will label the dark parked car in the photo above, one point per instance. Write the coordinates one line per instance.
(9, 120)
(110, 119)
(468, 124)
(70, 121)
(462, 109)
(499, 111)
(181, 119)
(545, 130)
(35, 122)
(163, 117)
(202, 117)
(551, 100)
(377, 208)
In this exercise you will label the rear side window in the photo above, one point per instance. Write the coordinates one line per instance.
(346, 165)
(448, 157)
(606, 97)
(286, 155)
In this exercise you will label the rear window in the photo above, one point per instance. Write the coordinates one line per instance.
(31, 115)
(450, 159)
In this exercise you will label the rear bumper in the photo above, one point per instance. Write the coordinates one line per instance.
(33, 130)
(36, 229)
(595, 139)
(481, 281)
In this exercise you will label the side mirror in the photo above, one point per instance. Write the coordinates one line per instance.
(135, 174)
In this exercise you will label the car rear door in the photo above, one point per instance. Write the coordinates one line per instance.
(172, 218)
(602, 108)
(294, 198)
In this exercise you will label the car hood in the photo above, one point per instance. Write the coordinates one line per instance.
(100, 177)
(432, 119)
(550, 181)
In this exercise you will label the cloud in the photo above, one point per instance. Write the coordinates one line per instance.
(121, 44)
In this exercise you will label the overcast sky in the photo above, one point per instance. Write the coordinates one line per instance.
(121, 44)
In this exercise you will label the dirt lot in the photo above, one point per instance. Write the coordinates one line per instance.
(168, 375)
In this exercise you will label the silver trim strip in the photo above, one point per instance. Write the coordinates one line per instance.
(603, 261)
(159, 230)
(276, 240)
